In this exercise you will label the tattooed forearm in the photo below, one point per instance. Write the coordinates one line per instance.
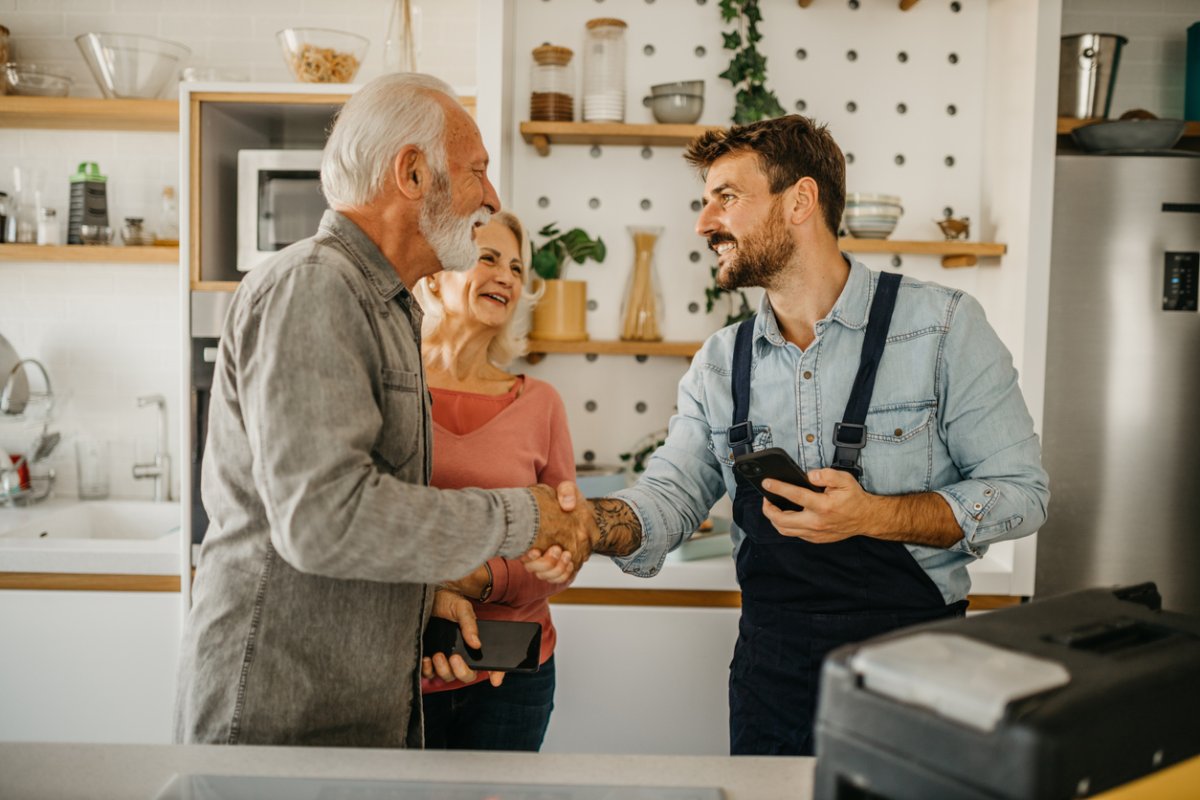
(620, 529)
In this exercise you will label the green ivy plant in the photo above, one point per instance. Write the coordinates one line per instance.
(551, 255)
(643, 448)
(748, 69)
(714, 293)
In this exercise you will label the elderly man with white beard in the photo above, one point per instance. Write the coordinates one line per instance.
(326, 546)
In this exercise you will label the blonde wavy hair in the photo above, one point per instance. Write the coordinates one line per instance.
(512, 341)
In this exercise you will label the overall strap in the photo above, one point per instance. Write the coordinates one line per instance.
(850, 435)
(741, 430)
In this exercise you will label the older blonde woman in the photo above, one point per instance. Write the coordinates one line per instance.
(492, 428)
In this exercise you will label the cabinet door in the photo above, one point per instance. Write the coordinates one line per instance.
(641, 679)
(88, 666)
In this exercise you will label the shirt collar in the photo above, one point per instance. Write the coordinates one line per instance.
(366, 254)
(850, 310)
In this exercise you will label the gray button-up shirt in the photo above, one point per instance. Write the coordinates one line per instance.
(315, 578)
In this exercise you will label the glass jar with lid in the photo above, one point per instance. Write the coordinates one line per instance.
(552, 84)
(604, 71)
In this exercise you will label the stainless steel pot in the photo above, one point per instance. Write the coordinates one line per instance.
(1087, 73)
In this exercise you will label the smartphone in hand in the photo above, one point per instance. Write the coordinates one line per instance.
(507, 646)
(775, 463)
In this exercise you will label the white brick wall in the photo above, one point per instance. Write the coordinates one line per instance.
(1151, 72)
(109, 333)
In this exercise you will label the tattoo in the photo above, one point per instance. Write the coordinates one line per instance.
(620, 529)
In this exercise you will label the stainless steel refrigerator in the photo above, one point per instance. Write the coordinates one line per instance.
(1122, 417)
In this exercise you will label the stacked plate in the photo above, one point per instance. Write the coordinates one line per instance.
(872, 216)
(604, 107)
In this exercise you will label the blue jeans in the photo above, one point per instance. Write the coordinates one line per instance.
(511, 716)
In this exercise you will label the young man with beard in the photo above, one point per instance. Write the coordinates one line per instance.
(317, 573)
(916, 473)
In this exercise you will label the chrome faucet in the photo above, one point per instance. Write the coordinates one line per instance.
(160, 469)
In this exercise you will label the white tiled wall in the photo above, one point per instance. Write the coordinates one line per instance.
(109, 332)
(1151, 71)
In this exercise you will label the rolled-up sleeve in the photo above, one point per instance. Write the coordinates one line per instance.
(1004, 491)
(310, 383)
(681, 483)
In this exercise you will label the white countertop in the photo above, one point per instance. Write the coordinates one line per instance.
(96, 772)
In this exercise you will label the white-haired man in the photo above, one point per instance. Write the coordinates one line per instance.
(318, 570)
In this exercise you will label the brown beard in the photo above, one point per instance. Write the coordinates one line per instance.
(761, 255)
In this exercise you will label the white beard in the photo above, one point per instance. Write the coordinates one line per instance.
(448, 235)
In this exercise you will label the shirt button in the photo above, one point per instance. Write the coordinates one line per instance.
(807, 375)
(978, 506)
(810, 438)
(987, 492)
(898, 432)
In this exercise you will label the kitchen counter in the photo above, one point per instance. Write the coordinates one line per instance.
(65, 771)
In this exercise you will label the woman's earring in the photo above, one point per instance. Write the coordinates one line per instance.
(432, 287)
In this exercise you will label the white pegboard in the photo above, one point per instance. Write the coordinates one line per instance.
(671, 40)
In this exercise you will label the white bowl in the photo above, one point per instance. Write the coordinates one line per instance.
(874, 210)
(854, 198)
(870, 230)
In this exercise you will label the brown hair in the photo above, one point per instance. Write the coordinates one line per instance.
(788, 149)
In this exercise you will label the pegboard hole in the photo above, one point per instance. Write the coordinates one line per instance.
(949, 161)
(592, 356)
(592, 305)
(589, 456)
(801, 105)
(700, 51)
(595, 152)
(640, 408)
(852, 106)
(647, 152)
(853, 5)
(645, 204)
(594, 203)
(648, 50)
(590, 406)
(897, 262)
(696, 206)
(543, 202)
(852, 55)
(952, 109)
(899, 159)
(956, 6)
(849, 158)
(693, 307)
(952, 58)
(947, 212)
(694, 256)
(901, 108)
(801, 54)
(641, 359)
(902, 57)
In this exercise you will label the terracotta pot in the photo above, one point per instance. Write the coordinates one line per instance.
(561, 314)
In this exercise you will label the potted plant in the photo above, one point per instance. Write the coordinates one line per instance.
(561, 315)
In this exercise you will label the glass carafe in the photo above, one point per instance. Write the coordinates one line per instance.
(641, 310)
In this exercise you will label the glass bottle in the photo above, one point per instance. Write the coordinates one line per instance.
(641, 310)
(552, 84)
(3, 217)
(604, 71)
(48, 232)
(168, 223)
(399, 44)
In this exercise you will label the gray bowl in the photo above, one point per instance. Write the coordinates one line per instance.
(675, 109)
(1130, 134)
(678, 87)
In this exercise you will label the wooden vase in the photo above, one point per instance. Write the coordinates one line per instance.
(561, 314)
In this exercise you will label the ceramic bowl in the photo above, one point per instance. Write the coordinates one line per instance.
(871, 227)
(675, 109)
(1129, 134)
(678, 87)
(857, 198)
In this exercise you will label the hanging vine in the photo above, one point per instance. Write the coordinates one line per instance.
(748, 69)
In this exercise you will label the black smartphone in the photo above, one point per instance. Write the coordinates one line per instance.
(775, 463)
(507, 646)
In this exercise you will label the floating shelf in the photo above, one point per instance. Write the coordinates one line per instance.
(905, 5)
(954, 253)
(89, 113)
(92, 254)
(1067, 124)
(542, 134)
(215, 286)
(538, 348)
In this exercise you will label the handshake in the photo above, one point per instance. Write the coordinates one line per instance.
(571, 528)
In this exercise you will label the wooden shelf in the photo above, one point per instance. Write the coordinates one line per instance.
(905, 5)
(92, 254)
(542, 134)
(954, 253)
(1067, 124)
(89, 113)
(538, 348)
(215, 286)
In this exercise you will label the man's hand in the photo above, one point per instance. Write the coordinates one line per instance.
(565, 533)
(845, 509)
(453, 606)
(472, 584)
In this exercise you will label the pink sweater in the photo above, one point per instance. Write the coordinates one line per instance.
(499, 441)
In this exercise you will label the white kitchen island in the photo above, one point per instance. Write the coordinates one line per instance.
(133, 772)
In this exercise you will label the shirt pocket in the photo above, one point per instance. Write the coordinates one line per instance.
(403, 418)
(898, 457)
(718, 442)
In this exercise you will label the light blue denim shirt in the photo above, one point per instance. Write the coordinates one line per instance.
(946, 416)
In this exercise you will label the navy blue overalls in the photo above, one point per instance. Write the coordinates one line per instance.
(801, 600)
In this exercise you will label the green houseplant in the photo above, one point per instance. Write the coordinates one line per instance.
(748, 69)
(561, 314)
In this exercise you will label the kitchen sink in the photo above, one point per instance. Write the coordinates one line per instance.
(96, 519)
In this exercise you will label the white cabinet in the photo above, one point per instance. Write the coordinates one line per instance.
(642, 679)
(88, 666)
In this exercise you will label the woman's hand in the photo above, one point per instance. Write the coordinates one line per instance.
(451, 605)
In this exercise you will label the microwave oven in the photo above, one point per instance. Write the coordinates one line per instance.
(279, 201)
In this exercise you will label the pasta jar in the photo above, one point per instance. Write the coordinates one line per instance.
(552, 84)
(604, 71)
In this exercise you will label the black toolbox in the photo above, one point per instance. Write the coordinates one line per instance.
(1059, 698)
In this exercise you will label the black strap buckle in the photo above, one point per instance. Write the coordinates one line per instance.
(848, 439)
(740, 437)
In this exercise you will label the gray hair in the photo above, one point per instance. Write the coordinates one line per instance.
(513, 339)
(376, 123)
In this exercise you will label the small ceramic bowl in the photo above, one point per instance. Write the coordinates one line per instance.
(675, 109)
(678, 87)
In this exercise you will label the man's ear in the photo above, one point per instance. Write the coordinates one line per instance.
(410, 172)
(806, 200)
